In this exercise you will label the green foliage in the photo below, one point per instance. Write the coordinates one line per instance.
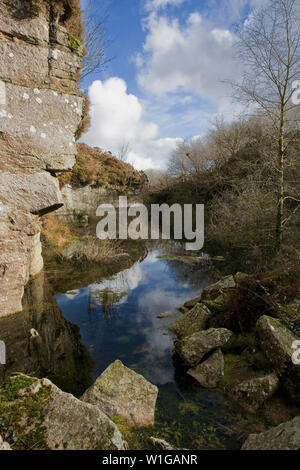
(75, 43)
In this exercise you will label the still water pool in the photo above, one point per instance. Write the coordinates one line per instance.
(118, 320)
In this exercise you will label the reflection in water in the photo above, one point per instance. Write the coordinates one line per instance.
(41, 342)
(118, 320)
(118, 316)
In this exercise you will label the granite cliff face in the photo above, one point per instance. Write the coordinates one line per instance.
(41, 109)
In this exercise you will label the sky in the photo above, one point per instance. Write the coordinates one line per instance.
(168, 77)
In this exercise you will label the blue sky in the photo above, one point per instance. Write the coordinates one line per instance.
(166, 80)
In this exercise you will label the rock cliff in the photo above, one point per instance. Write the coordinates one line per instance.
(41, 110)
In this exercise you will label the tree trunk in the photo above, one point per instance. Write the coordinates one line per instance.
(280, 206)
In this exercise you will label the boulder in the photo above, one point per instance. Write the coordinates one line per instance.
(276, 341)
(252, 394)
(193, 348)
(240, 277)
(215, 290)
(191, 303)
(4, 445)
(286, 436)
(120, 391)
(210, 372)
(183, 309)
(161, 444)
(52, 419)
(192, 321)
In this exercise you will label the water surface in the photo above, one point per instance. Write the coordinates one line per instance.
(118, 320)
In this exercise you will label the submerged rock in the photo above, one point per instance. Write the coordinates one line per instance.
(252, 394)
(121, 391)
(47, 418)
(286, 436)
(192, 321)
(193, 348)
(164, 315)
(210, 372)
(276, 341)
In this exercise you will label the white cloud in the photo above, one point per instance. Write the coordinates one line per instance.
(182, 71)
(153, 5)
(118, 118)
(195, 57)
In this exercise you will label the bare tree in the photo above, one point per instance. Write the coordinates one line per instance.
(96, 40)
(269, 46)
(124, 152)
(190, 157)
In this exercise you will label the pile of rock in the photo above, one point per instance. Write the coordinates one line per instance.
(200, 348)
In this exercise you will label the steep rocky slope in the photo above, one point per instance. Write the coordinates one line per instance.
(41, 110)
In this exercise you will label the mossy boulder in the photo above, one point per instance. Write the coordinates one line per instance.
(286, 436)
(216, 290)
(120, 391)
(192, 321)
(210, 372)
(193, 348)
(252, 394)
(44, 417)
(277, 341)
(220, 304)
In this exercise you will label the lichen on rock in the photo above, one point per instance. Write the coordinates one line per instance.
(193, 348)
(194, 320)
(44, 417)
(120, 391)
(210, 372)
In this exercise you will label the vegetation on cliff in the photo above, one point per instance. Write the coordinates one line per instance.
(102, 170)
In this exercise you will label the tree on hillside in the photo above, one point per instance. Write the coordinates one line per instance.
(269, 46)
(190, 157)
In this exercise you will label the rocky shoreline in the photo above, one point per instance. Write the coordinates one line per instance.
(251, 370)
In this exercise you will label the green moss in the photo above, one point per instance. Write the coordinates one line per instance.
(10, 390)
(218, 305)
(239, 342)
(188, 408)
(23, 411)
(235, 370)
(75, 43)
(136, 438)
(276, 323)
